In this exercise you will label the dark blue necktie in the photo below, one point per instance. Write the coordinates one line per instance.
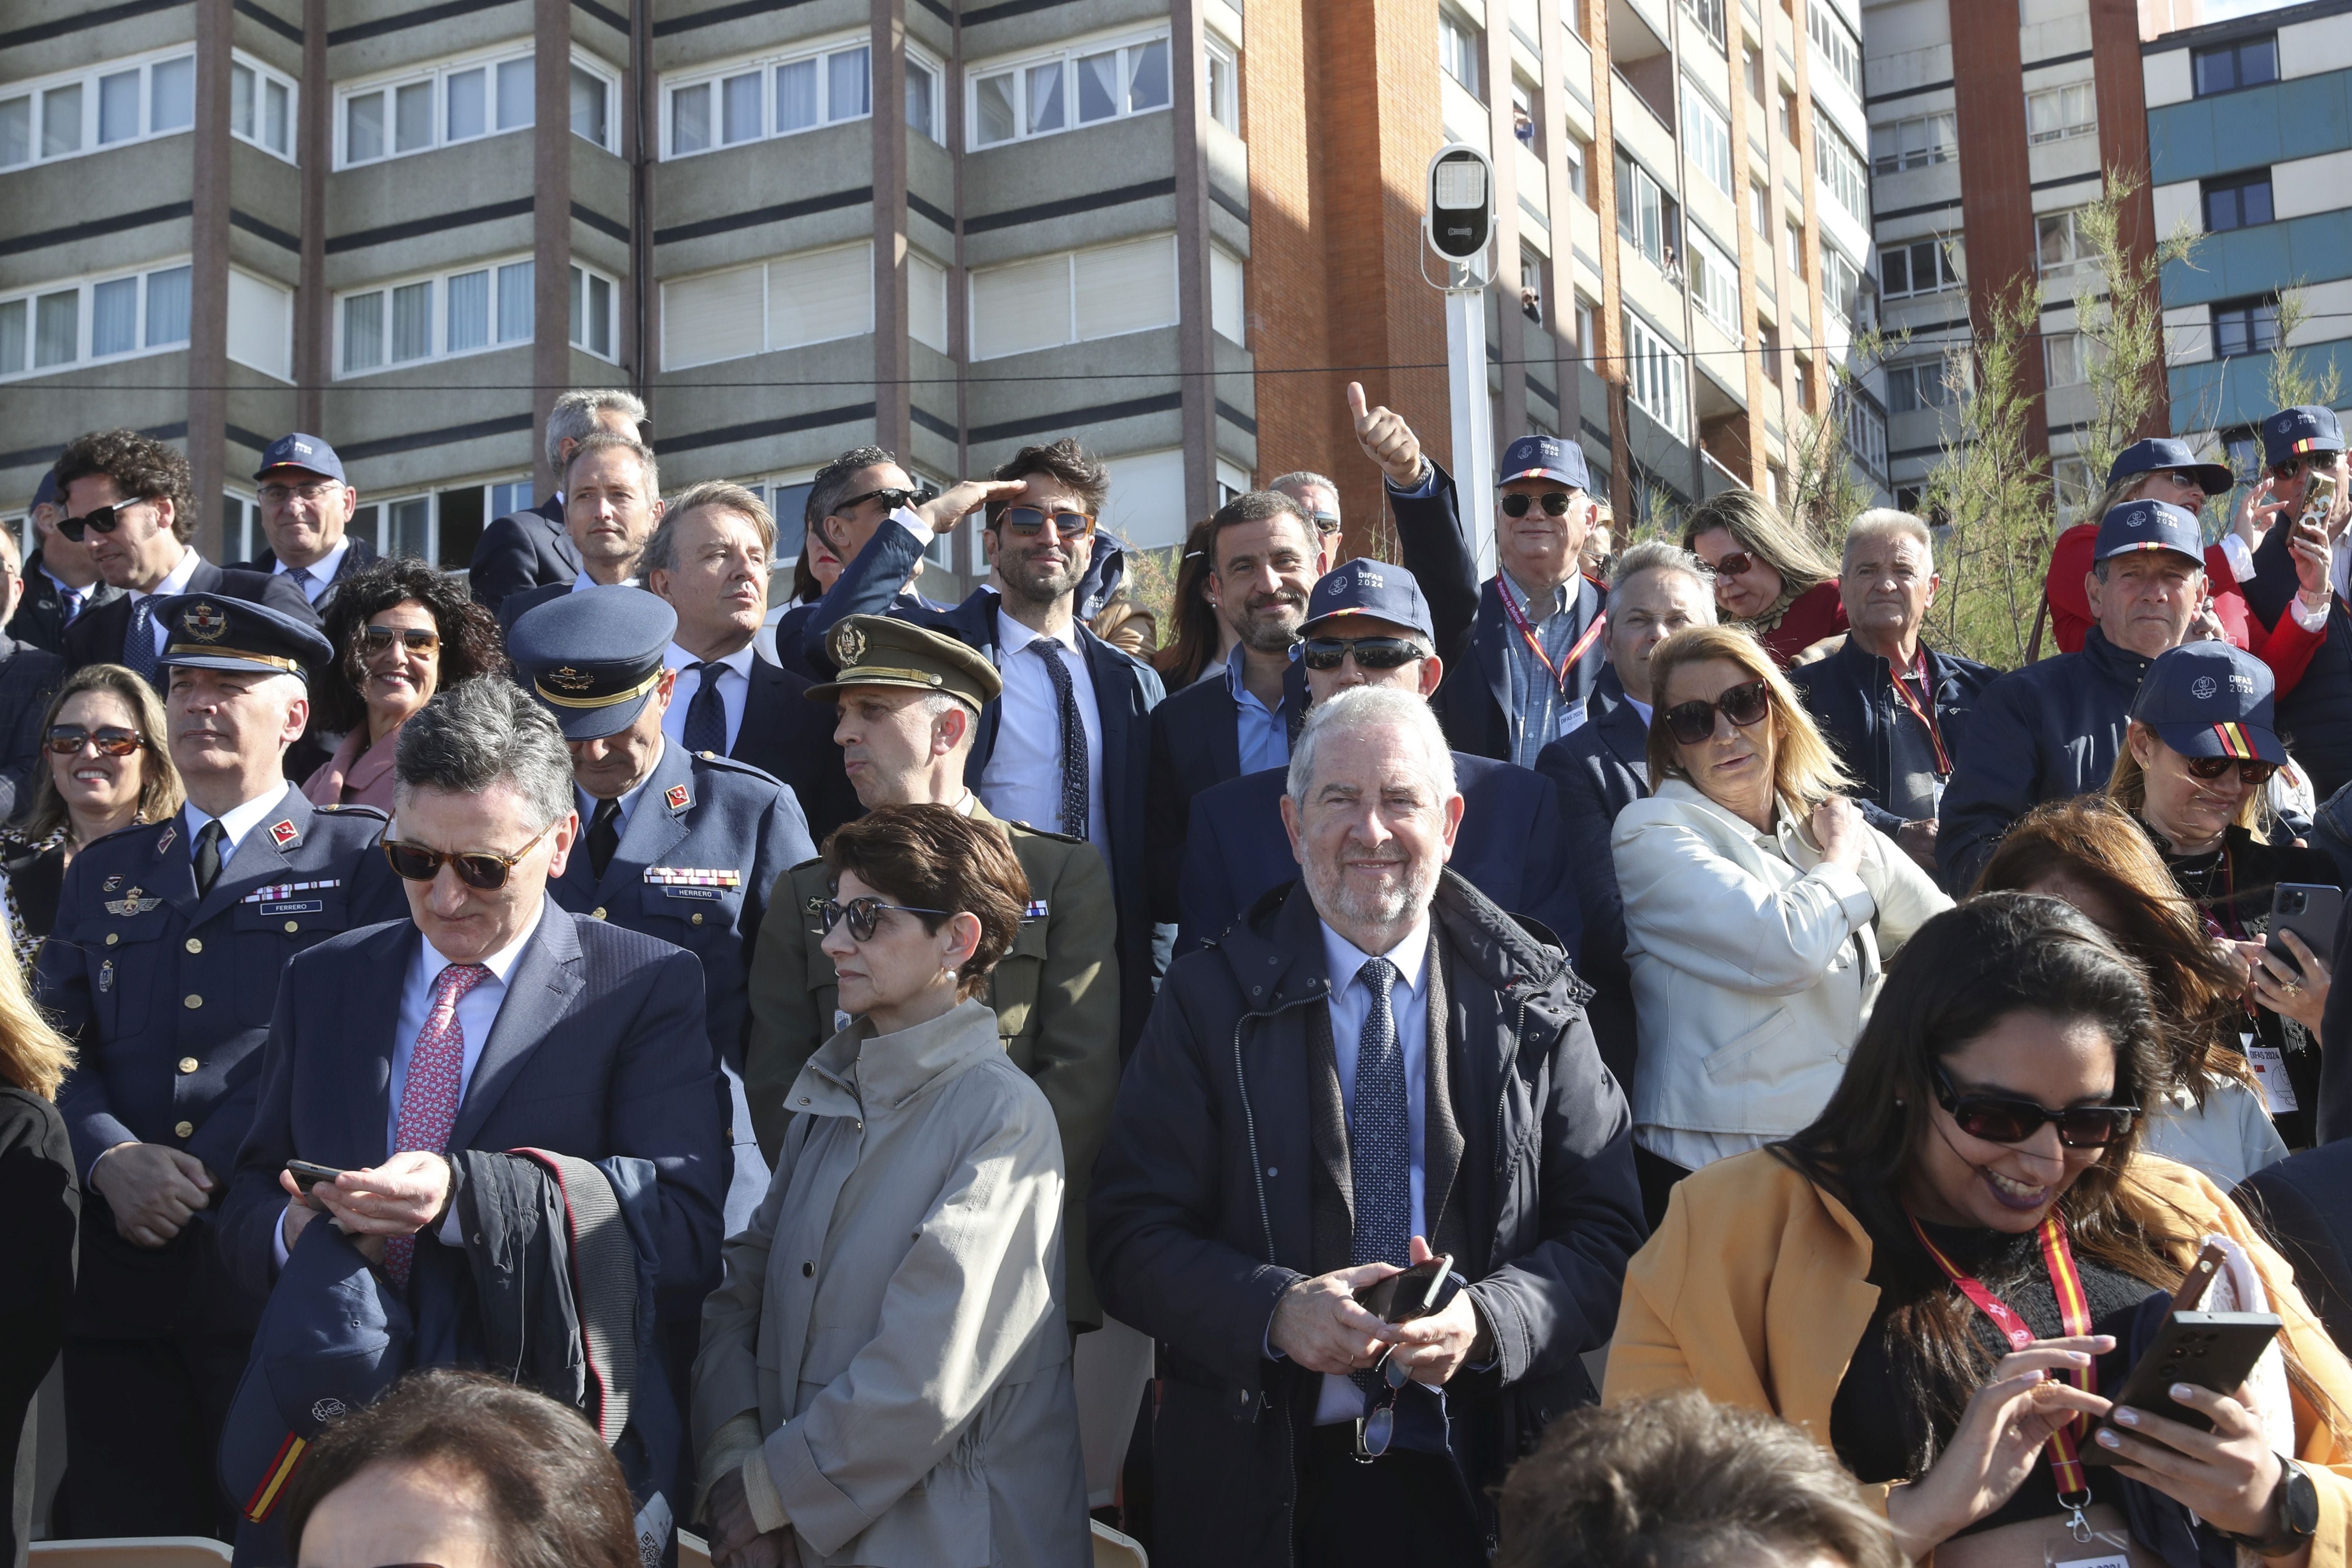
(139, 648)
(1380, 1143)
(1073, 735)
(705, 716)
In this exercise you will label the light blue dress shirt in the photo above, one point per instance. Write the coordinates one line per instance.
(1262, 733)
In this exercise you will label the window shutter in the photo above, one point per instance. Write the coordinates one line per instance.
(721, 316)
(927, 301)
(1020, 308)
(1127, 288)
(822, 295)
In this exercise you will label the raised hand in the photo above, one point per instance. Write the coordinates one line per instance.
(1386, 439)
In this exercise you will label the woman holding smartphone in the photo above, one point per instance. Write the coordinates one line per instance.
(1977, 1167)
(2200, 747)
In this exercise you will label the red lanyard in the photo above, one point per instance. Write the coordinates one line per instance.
(1559, 672)
(2074, 1315)
(1926, 715)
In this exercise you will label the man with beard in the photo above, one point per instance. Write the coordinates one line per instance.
(1375, 1068)
(1266, 563)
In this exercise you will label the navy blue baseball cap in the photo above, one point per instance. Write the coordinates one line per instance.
(2147, 524)
(1371, 590)
(47, 494)
(1545, 458)
(2159, 454)
(213, 631)
(2299, 431)
(2209, 700)
(307, 453)
(593, 658)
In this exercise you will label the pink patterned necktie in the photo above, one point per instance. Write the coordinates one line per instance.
(428, 1104)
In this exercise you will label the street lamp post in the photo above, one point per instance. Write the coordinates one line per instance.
(1459, 225)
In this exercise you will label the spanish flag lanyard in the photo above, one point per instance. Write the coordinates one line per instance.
(1923, 713)
(2268, 1061)
(1566, 667)
(2074, 1318)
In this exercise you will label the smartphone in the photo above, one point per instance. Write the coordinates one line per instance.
(1415, 1293)
(2311, 910)
(307, 1176)
(2211, 1350)
(2318, 496)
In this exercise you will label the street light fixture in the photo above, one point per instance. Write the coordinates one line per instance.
(1458, 222)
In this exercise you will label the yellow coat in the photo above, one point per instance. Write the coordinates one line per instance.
(1709, 1305)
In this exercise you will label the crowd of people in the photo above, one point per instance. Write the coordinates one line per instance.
(1633, 1058)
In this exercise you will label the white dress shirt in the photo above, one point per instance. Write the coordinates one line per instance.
(1023, 780)
(315, 577)
(235, 823)
(584, 582)
(734, 691)
(1351, 1000)
(176, 581)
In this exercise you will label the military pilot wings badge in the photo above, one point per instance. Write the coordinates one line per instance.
(131, 903)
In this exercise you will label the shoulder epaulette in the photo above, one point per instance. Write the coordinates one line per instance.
(378, 813)
(1036, 832)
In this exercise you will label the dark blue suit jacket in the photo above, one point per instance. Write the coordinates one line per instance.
(362, 553)
(97, 635)
(1196, 748)
(873, 585)
(1850, 695)
(522, 550)
(1598, 769)
(787, 736)
(40, 617)
(599, 1051)
(1510, 847)
(28, 676)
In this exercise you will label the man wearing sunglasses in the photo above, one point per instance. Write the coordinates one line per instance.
(128, 496)
(680, 845)
(2303, 447)
(27, 675)
(2052, 730)
(59, 580)
(307, 508)
(1368, 626)
(1318, 498)
(530, 549)
(164, 966)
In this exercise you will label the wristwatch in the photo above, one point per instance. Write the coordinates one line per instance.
(2294, 1515)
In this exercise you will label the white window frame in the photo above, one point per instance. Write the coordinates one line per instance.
(1841, 280)
(766, 486)
(241, 528)
(1021, 67)
(85, 317)
(2080, 257)
(1656, 381)
(1222, 68)
(1841, 169)
(1921, 386)
(584, 64)
(1915, 141)
(711, 79)
(1461, 51)
(2080, 118)
(922, 59)
(380, 536)
(34, 93)
(264, 77)
(973, 277)
(767, 312)
(1707, 137)
(1713, 281)
(1865, 429)
(434, 76)
(440, 281)
(582, 282)
(1834, 42)
(1946, 251)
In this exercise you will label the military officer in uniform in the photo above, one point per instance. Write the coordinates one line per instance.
(163, 967)
(683, 846)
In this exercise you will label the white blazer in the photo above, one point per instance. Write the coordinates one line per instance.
(1754, 964)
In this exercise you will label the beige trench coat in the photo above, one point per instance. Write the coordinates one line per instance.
(889, 1330)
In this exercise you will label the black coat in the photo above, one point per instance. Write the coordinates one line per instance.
(360, 555)
(1204, 1206)
(2315, 719)
(97, 637)
(40, 1209)
(522, 550)
(1598, 769)
(1850, 695)
(28, 677)
(2305, 1202)
(2049, 731)
(40, 617)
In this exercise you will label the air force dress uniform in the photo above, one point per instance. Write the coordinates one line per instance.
(167, 987)
(703, 838)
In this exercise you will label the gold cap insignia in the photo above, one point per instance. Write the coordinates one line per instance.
(848, 645)
(205, 621)
(569, 678)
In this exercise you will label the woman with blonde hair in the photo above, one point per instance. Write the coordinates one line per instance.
(40, 1208)
(1769, 577)
(2091, 853)
(1759, 906)
(108, 765)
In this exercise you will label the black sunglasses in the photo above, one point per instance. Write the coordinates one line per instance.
(1516, 503)
(111, 739)
(1371, 653)
(891, 500)
(864, 915)
(484, 870)
(98, 520)
(1029, 520)
(1693, 721)
(2293, 466)
(2254, 773)
(2001, 1118)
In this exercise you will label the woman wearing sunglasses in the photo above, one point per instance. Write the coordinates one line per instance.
(107, 767)
(884, 1372)
(1769, 576)
(1979, 1164)
(2090, 852)
(402, 631)
(1757, 905)
(2200, 747)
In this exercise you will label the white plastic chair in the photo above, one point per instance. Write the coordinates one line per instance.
(1113, 1549)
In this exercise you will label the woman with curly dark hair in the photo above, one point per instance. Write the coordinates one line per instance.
(401, 632)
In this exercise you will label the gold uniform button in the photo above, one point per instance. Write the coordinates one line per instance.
(195, 1001)
(188, 1064)
(184, 1130)
(293, 925)
(596, 914)
(698, 919)
(195, 945)
(113, 937)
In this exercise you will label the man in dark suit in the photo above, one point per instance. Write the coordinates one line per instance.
(307, 508)
(530, 549)
(59, 580)
(709, 560)
(682, 844)
(165, 960)
(28, 676)
(1265, 563)
(490, 1019)
(1603, 766)
(129, 495)
(1535, 644)
(1368, 626)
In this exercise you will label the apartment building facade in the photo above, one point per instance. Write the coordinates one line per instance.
(2250, 141)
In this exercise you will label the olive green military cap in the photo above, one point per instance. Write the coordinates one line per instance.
(880, 650)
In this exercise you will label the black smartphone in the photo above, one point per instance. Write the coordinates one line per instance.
(1415, 1293)
(307, 1176)
(2311, 910)
(2211, 1350)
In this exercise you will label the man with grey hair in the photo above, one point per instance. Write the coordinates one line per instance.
(612, 501)
(1895, 709)
(488, 1020)
(530, 549)
(1377, 1067)
(1318, 498)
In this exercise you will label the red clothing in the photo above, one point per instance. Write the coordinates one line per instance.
(2286, 647)
(1819, 611)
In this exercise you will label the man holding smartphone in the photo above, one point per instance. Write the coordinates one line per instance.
(2302, 456)
(1373, 1069)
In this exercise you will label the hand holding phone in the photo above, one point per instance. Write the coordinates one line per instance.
(307, 1176)
(1420, 1290)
